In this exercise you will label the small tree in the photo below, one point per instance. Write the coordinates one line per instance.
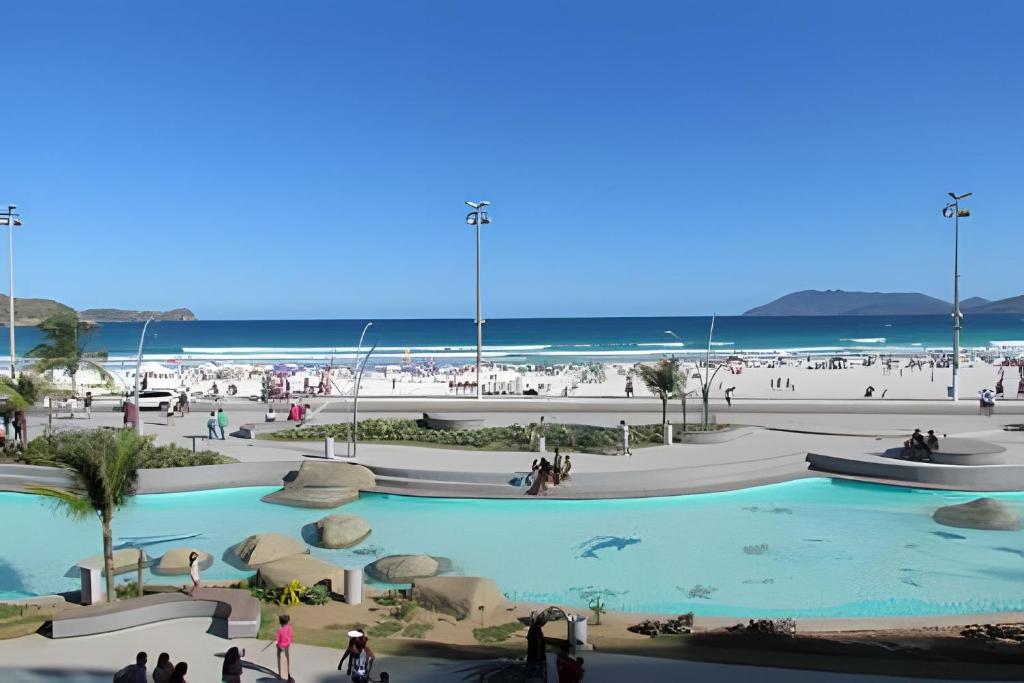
(104, 469)
(662, 380)
(65, 347)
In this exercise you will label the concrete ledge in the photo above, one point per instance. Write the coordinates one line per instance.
(911, 473)
(163, 480)
(717, 436)
(240, 610)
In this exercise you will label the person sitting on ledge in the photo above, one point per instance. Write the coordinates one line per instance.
(932, 441)
(270, 415)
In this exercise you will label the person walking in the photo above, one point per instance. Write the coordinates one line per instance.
(211, 425)
(284, 646)
(629, 386)
(163, 669)
(17, 425)
(231, 670)
(363, 662)
(728, 395)
(134, 673)
(222, 421)
(178, 675)
(21, 422)
(193, 570)
(87, 402)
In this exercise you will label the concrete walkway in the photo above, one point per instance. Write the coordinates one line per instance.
(94, 659)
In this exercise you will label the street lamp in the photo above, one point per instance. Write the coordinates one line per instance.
(477, 217)
(11, 220)
(357, 376)
(138, 368)
(953, 210)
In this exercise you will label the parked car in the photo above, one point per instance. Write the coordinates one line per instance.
(154, 399)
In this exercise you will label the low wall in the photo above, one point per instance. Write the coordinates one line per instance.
(959, 477)
(164, 480)
(717, 436)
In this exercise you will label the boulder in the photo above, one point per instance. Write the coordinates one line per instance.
(323, 484)
(983, 513)
(402, 568)
(125, 560)
(174, 562)
(307, 570)
(260, 549)
(331, 473)
(461, 597)
(342, 531)
(323, 498)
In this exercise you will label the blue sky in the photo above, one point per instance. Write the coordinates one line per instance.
(254, 159)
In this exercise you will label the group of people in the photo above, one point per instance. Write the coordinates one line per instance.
(357, 660)
(165, 672)
(217, 424)
(20, 425)
(544, 474)
(919, 446)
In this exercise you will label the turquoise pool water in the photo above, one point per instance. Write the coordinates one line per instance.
(807, 548)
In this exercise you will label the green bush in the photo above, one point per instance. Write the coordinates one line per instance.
(317, 595)
(44, 450)
(567, 437)
(497, 634)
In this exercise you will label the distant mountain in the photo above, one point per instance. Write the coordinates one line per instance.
(117, 315)
(974, 303)
(838, 302)
(35, 311)
(1013, 305)
(30, 311)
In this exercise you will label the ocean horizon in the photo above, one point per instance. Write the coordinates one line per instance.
(536, 340)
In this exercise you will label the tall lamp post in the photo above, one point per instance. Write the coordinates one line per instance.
(357, 377)
(953, 210)
(477, 217)
(138, 367)
(11, 220)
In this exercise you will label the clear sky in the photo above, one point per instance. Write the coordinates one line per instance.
(254, 159)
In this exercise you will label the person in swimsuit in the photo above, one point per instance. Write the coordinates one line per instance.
(193, 570)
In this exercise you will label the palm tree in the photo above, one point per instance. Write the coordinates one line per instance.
(707, 376)
(104, 468)
(662, 380)
(64, 348)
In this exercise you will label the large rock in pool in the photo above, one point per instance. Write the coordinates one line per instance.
(307, 570)
(402, 568)
(324, 484)
(342, 531)
(175, 561)
(461, 597)
(983, 513)
(260, 549)
(125, 560)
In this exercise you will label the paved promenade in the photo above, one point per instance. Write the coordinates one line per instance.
(94, 659)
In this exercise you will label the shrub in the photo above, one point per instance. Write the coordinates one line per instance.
(417, 630)
(44, 450)
(317, 595)
(496, 634)
(384, 629)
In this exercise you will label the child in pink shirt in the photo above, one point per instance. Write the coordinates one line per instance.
(284, 642)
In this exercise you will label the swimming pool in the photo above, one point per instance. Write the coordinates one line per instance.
(813, 547)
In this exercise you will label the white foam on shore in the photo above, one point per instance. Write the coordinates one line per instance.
(866, 340)
(192, 350)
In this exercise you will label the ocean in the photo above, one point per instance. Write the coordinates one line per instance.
(535, 340)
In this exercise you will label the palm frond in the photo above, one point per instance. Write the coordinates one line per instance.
(73, 504)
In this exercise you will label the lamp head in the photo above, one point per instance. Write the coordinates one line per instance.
(471, 218)
(473, 205)
(948, 211)
(952, 194)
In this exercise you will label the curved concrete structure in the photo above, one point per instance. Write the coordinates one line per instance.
(237, 608)
(925, 474)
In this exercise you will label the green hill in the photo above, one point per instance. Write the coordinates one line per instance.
(35, 311)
